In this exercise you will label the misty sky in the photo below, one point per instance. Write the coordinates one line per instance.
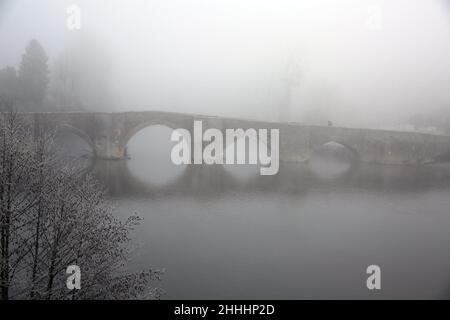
(360, 62)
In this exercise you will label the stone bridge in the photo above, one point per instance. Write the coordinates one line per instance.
(109, 133)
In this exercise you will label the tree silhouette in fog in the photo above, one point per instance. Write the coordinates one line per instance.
(8, 88)
(33, 76)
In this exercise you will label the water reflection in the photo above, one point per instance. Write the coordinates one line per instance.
(293, 235)
(245, 171)
(295, 179)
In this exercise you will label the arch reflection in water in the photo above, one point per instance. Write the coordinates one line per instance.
(248, 170)
(286, 222)
(149, 156)
(331, 160)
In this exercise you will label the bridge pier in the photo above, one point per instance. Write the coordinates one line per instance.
(108, 136)
(109, 149)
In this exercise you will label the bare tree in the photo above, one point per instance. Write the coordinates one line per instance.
(14, 198)
(53, 215)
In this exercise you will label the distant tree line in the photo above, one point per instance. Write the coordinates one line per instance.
(77, 79)
(26, 88)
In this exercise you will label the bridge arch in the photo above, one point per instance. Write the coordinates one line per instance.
(332, 159)
(149, 156)
(259, 139)
(77, 132)
(149, 123)
(355, 156)
(110, 132)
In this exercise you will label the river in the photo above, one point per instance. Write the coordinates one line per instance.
(305, 233)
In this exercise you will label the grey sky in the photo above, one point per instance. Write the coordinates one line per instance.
(229, 57)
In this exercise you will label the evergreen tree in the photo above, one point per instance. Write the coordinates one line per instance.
(8, 88)
(33, 76)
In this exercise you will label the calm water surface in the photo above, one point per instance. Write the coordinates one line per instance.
(226, 232)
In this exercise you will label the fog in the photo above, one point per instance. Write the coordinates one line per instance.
(337, 200)
(356, 63)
